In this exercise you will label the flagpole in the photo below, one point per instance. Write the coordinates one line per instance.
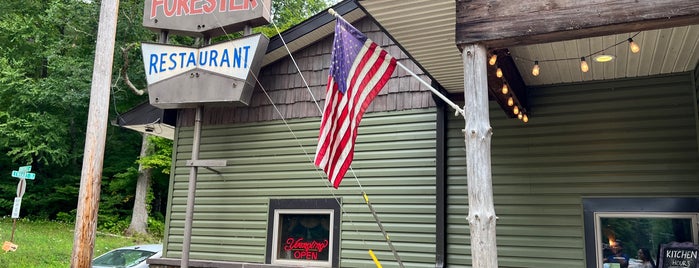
(456, 108)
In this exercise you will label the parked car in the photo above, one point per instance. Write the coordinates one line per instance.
(128, 257)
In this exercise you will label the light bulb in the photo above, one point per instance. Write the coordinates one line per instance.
(535, 70)
(505, 89)
(493, 59)
(583, 65)
(510, 101)
(515, 109)
(525, 118)
(498, 73)
(633, 46)
(519, 115)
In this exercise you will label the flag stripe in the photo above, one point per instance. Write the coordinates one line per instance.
(364, 68)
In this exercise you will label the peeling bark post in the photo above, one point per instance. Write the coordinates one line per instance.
(477, 134)
(96, 134)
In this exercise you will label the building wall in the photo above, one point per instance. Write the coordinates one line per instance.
(394, 161)
(625, 138)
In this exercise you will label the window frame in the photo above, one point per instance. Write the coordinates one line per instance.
(327, 206)
(665, 207)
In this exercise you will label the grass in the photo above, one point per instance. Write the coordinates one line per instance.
(50, 244)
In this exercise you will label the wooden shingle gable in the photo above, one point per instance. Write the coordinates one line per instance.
(288, 92)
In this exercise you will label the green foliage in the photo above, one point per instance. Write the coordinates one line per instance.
(160, 157)
(286, 14)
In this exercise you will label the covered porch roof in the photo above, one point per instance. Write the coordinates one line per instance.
(554, 33)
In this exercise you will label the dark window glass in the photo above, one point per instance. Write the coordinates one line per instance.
(623, 238)
(304, 237)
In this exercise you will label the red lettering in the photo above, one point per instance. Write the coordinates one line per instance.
(154, 7)
(182, 7)
(209, 6)
(196, 7)
(299, 244)
(193, 10)
(222, 5)
(170, 12)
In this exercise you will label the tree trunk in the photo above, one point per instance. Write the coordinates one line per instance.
(139, 218)
(477, 134)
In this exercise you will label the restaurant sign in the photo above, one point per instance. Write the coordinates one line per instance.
(205, 17)
(184, 77)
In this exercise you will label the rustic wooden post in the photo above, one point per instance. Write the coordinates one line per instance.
(96, 134)
(477, 133)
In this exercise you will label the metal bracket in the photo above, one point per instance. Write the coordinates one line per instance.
(207, 164)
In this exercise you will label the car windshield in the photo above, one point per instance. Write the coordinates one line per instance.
(122, 258)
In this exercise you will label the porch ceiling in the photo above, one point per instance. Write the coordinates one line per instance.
(426, 30)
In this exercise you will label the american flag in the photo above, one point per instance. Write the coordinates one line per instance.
(359, 69)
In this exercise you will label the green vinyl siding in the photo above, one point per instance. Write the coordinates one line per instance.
(394, 161)
(630, 138)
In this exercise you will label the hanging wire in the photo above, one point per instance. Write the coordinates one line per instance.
(573, 58)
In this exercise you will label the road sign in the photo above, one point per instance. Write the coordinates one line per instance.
(23, 173)
(21, 187)
(16, 207)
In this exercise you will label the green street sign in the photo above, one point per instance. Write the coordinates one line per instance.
(23, 173)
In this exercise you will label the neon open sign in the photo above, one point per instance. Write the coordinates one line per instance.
(307, 250)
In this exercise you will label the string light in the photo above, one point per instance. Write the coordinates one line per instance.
(515, 110)
(498, 73)
(505, 89)
(519, 115)
(633, 46)
(583, 65)
(535, 70)
(525, 118)
(493, 59)
(510, 101)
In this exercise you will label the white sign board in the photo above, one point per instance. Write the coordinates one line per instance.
(233, 59)
(220, 74)
(15, 207)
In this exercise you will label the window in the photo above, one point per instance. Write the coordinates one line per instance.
(303, 232)
(617, 229)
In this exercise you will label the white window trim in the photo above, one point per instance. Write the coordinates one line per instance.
(676, 215)
(276, 234)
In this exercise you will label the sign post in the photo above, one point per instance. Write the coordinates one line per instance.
(23, 174)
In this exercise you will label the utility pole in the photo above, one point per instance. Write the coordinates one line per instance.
(96, 133)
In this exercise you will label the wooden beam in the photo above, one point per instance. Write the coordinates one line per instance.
(499, 24)
(511, 76)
